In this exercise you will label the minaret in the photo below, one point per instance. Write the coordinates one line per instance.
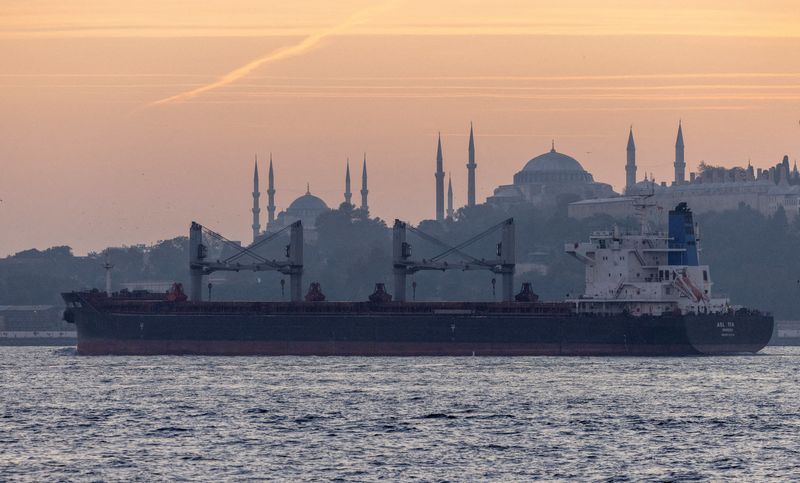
(630, 166)
(364, 190)
(347, 194)
(439, 182)
(680, 164)
(449, 197)
(271, 194)
(256, 208)
(471, 170)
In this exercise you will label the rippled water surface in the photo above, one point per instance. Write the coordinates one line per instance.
(290, 418)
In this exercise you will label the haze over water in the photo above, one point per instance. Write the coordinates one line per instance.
(366, 419)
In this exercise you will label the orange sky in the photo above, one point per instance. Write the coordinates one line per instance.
(120, 122)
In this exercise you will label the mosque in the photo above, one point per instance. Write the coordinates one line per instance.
(545, 181)
(550, 179)
(305, 208)
(553, 178)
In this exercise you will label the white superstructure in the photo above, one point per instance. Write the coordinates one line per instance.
(649, 273)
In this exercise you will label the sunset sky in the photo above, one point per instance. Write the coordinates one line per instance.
(121, 122)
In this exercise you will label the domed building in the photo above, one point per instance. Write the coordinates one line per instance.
(305, 208)
(549, 179)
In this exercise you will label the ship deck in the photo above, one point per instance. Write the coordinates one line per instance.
(162, 306)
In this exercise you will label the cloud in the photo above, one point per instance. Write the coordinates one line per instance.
(306, 45)
(254, 18)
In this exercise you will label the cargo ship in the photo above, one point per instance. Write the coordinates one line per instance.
(646, 295)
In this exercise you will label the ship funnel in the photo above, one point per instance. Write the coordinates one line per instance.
(682, 237)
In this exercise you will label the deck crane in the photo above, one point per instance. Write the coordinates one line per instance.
(404, 265)
(200, 266)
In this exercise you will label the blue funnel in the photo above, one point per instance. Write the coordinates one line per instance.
(681, 233)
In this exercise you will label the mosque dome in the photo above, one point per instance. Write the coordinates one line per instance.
(552, 167)
(553, 161)
(308, 202)
(306, 208)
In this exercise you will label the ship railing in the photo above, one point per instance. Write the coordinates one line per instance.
(266, 308)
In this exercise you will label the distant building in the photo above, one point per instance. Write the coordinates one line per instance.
(33, 317)
(33, 325)
(712, 188)
(549, 179)
(306, 208)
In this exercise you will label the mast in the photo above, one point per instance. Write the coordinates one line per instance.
(107, 265)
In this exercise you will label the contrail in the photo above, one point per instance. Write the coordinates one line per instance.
(307, 44)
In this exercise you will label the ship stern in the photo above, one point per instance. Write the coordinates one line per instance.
(741, 332)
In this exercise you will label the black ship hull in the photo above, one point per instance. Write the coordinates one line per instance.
(330, 329)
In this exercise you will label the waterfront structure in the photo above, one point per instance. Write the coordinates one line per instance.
(35, 325)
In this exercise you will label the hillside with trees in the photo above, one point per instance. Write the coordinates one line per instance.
(752, 259)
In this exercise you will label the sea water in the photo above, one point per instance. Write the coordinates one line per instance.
(67, 417)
